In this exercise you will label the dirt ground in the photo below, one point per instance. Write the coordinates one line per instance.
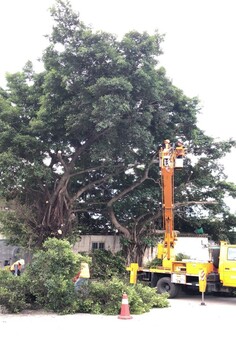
(187, 323)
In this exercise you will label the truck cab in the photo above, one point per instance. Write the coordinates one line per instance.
(227, 265)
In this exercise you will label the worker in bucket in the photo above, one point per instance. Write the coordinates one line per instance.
(82, 277)
(199, 230)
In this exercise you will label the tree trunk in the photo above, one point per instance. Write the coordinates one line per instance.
(58, 211)
(134, 252)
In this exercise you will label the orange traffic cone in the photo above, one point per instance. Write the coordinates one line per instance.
(124, 312)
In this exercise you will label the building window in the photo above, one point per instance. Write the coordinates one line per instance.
(98, 245)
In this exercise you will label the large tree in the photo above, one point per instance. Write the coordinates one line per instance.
(80, 139)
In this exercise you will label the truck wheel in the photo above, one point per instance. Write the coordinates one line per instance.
(164, 285)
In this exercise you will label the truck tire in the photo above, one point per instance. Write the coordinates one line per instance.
(164, 285)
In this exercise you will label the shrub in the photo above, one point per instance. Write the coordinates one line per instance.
(105, 265)
(47, 283)
(12, 292)
(181, 256)
(50, 274)
(149, 298)
(104, 297)
(61, 296)
(153, 263)
(101, 297)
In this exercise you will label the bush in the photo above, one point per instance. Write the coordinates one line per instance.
(12, 292)
(47, 283)
(50, 274)
(104, 297)
(61, 296)
(153, 263)
(181, 256)
(105, 265)
(101, 297)
(149, 298)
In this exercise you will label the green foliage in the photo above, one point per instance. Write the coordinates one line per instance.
(50, 274)
(73, 138)
(158, 262)
(153, 263)
(60, 295)
(12, 292)
(101, 297)
(143, 298)
(47, 283)
(15, 229)
(105, 265)
(104, 297)
(181, 256)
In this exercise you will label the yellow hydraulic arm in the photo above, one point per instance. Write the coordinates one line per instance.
(170, 157)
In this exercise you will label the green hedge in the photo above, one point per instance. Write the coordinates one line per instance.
(46, 283)
(100, 297)
(13, 292)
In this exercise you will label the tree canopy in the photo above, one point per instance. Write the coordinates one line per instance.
(79, 141)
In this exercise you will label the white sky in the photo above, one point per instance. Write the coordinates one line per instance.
(199, 46)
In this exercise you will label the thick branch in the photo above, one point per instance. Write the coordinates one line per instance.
(148, 220)
(86, 145)
(132, 187)
(185, 204)
(116, 223)
(111, 212)
(96, 168)
(89, 187)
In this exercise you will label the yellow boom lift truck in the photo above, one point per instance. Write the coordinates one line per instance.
(216, 273)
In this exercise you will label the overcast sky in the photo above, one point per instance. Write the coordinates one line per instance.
(199, 46)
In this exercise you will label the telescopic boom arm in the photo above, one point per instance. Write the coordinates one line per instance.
(170, 157)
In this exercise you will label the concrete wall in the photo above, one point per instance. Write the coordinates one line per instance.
(85, 244)
(7, 253)
(111, 243)
(195, 247)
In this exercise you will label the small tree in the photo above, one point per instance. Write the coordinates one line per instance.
(50, 274)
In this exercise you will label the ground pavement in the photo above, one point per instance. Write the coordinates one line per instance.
(186, 324)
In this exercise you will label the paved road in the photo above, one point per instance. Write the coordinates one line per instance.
(186, 324)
